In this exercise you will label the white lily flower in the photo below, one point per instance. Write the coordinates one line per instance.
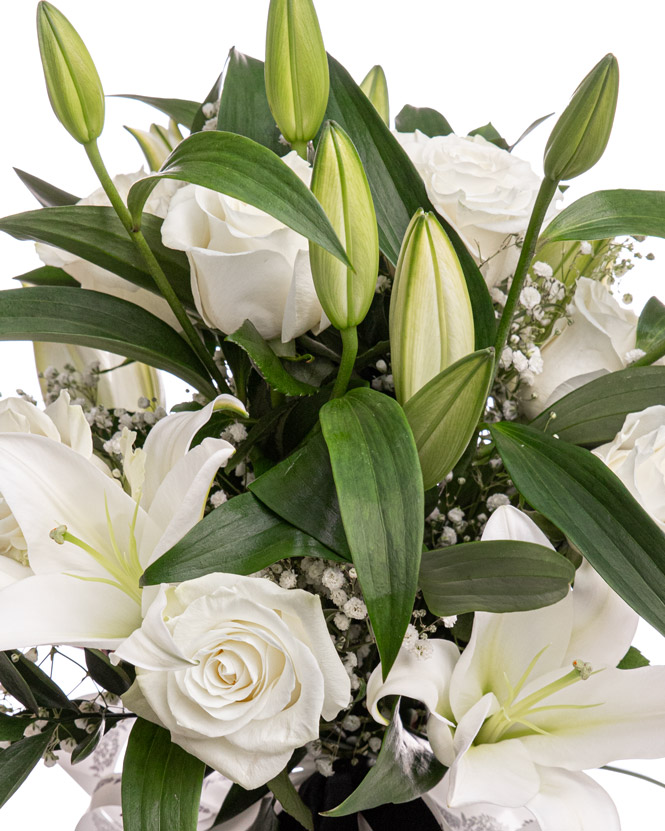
(85, 590)
(534, 699)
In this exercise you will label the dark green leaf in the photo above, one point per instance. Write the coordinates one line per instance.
(443, 414)
(289, 799)
(266, 819)
(179, 109)
(161, 783)
(113, 678)
(18, 760)
(266, 361)
(88, 744)
(574, 489)
(301, 490)
(490, 133)
(493, 576)
(45, 691)
(97, 235)
(90, 318)
(594, 413)
(212, 97)
(12, 680)
(397, 189)
(633, 659)
(244, 105)
(239, 537)
(428, 121)
(530, 129)
(380, 491)
(610, 213)
(405, 769)
(47, 275)
(12, 727)
(651, 325)
(48, 196)
(239, 167)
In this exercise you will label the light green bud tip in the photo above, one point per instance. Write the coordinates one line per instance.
(431, 320)
(72, 82)
(580, 136)
(296, 70)
(340, 185)
(375, 87)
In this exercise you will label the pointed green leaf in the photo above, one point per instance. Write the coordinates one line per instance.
(12, 727)
(114, 678)
(428, 121)
(90, 318)
(97, 235)
(633, 659)
(380, 491)
(161, 783)
(405, 768)
(301, 490)
(651, 325)
(45, 691)
(594, 413)
(582, 497)
(397, 189)
(267, 362)
(610, 213)
(18, 760)
(239, 537)
(47, 276)
(241, 168)
(179, 109)
(490, 133)
(444, 414)
(285, 791)
(49, 196)
(14, 682)
(244, 105)
(529, 130)
(493, 576)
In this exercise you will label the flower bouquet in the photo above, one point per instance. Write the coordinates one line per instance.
(384, 567)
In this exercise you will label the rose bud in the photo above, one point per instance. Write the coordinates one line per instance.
(580, 136)
(296, 71)
(340, 185)
(375, 87)
(431, 322)
(72, 82)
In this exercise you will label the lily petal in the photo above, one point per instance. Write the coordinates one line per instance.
(572, 801)
(71, 424)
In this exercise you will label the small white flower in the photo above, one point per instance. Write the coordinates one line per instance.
(410, 637)
(339, 597)
(520, 361)
(530, 297)
(355, 608)
(506, 359)
(634, 355)
(374, 744)
(288, 579)
(449, 621)
(68, 744)
(324, 765)
(535, 360)
(586, 248)
(423, 650)
(217, 498)
(542, 270)
(235, 432)
(496, 500)
(498, 296)
(341, 621)
(455, 514)
(35, 728)
(332, 578)
(351, 723)
(448, 536)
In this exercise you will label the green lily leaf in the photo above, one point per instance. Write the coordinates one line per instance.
(161, 783)
(289, 798)
(405, 768)
(610, 213)
(493, 576)
(12, 727)
(490, 133)
(179, 109)
(239, 167)
(267, 363)
(444, 414)
(651, 325)
(239, 537)
(633, 659)
(117, 679)
(428, 121)
(574, 490)
(47, 275)
(97, 235)
(594, 413)
(18, 760)
(90, 318)
(379, 486)
(48, 196)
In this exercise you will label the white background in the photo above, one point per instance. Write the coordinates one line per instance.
(509, 62)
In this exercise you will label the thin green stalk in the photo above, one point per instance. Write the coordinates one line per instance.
(161, 280)
(651, 356)
(301, 148)
(635, 774)
(349, 352)
(545, 194)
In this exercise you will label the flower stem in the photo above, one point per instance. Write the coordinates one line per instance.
(301, 148)
(349, 352)
(161, 280)
(547, 190)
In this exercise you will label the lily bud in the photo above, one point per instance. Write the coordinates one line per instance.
(72, 82)
(580, 136)
(375, 87)
(340, 185)
(431, 321)
(296, 70)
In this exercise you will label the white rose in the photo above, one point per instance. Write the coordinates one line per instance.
(599, 340)
(637, 457)
(486, 193)
(94, 277)
(245, 264)
(239, 671)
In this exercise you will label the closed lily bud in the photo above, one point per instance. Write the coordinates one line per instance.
(580, 136)
(431, 321)
(340, 185)
(375, 87)
(296, 70)
(72, 82)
